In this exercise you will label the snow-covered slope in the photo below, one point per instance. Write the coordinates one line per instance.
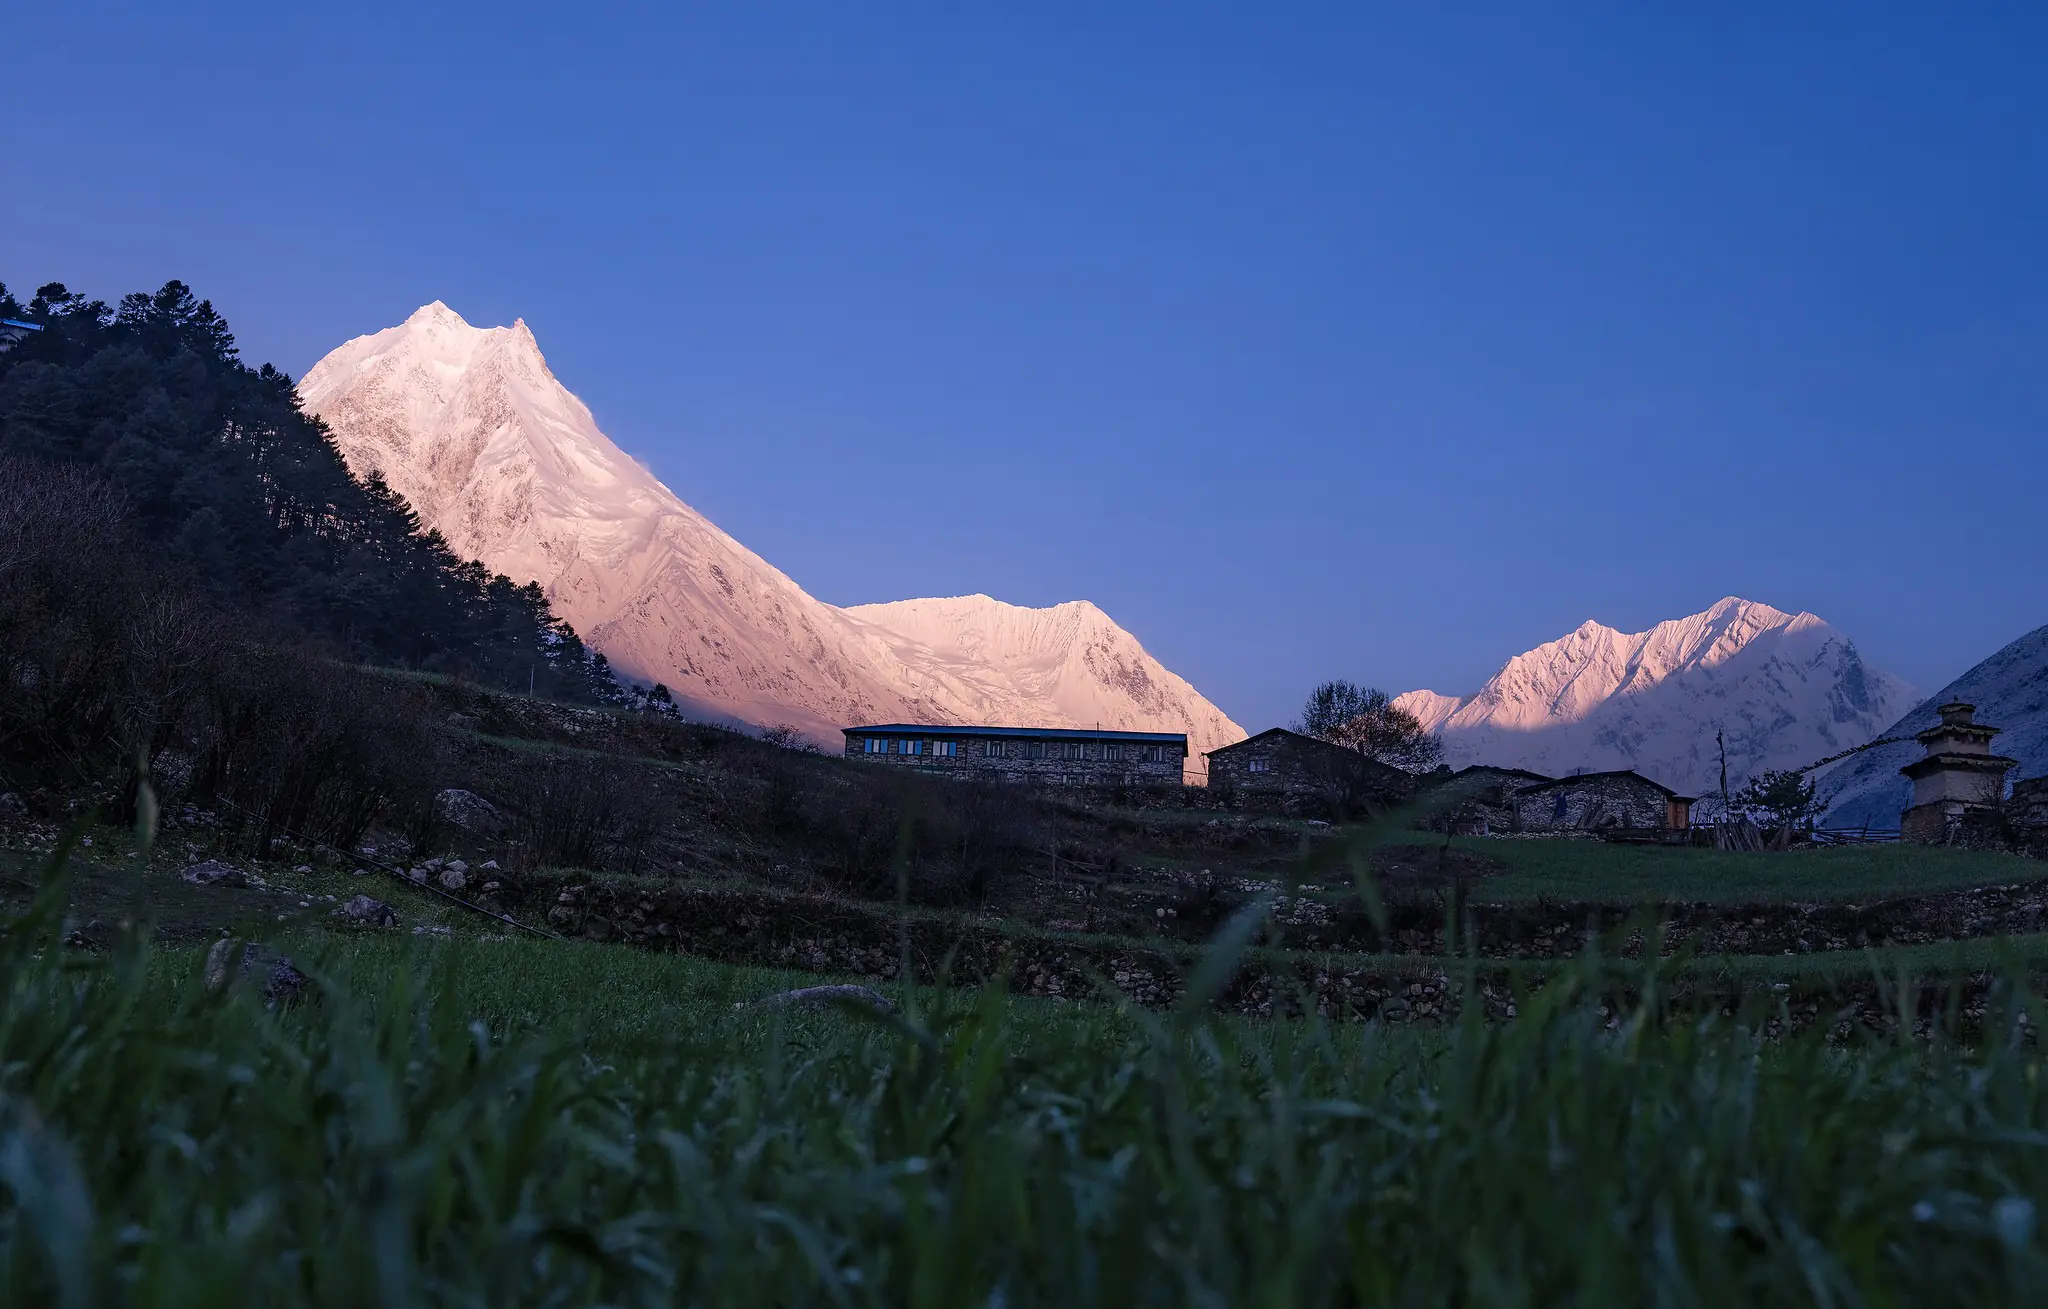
(1070, 662)
(470, 426)
(2010, 690)
(1786, 689)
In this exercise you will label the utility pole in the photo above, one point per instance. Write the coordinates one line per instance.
(1722, 742)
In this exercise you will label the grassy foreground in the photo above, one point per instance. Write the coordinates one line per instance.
(511, 1122)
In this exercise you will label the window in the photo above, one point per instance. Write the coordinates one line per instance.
(1112, 752)
(877, 745)
(1155, 754)
(913, 747)
(992, 749)
(945, 749)
(1073, 750)
(1258, 765)
(1036, 750)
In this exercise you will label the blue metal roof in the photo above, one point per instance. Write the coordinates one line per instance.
(16, 322)
(1037, 733)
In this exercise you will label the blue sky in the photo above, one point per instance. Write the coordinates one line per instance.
(1309, 341)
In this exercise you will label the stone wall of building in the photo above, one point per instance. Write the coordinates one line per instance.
(2030, 802)
(2018, 823)
(1929, 824)
(1590, 803)
(1477, 800)
(1048, 761)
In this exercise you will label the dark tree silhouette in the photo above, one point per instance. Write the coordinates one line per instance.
(1366, 720)
(224, 479)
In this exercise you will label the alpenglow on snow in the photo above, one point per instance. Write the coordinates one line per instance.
(471, 427)
(1784, 690)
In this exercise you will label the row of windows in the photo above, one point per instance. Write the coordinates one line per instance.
(890, 745)
(1111, 751)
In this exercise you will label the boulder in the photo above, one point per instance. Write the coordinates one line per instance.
(469, 811)
(235, 963)
(215, 873)
(454, 879)
(366, 910)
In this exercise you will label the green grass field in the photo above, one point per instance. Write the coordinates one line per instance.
(512, 1122)
(495, 1119)
(1594, 872)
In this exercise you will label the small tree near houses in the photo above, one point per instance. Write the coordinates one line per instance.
(1366, 719)
(1778, 798)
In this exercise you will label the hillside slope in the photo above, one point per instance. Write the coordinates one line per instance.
(2010, 690)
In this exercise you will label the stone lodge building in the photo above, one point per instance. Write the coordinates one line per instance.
(1284, 766)
(1592, 801)
(1052, 756)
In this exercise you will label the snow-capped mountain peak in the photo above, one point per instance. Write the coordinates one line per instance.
(1785, 690)
(471, 426)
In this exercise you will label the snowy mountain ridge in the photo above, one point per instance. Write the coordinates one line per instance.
(474, 430)
(1785, 689)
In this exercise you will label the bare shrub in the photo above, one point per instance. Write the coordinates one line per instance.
(574, 811)
(788, 736)
(300, 746)
(65, 575)
(951, 842)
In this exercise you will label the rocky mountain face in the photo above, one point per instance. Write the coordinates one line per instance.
(1784, 689)
(2010, 690)
(471, 427)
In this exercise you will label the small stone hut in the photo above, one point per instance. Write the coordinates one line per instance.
(1289, 771)
(1591, 801)
(1958, 775)
(2030, 802)
(1480, 798)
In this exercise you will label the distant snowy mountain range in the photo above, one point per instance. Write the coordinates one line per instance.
(470, 426)
(1784, 690)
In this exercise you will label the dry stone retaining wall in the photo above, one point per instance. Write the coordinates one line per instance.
(828, 936)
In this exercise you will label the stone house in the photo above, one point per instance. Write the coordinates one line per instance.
(1052, 756)
(1289, 771)
(1958, 775)
(1479, 799)
(1592, 801)
(2030, 802)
